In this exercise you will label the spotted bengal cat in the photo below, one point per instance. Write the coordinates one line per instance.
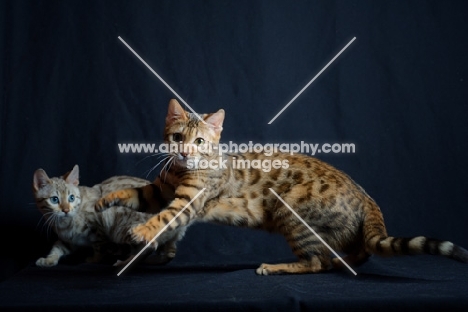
(331, 203)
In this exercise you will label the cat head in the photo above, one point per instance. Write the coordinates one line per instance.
(197, 135)
(57, 196)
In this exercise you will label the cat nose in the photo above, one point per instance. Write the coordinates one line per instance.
(66, 209)
(184, 154)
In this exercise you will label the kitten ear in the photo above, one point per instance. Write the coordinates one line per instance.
(40, 179)
(73, 176)
(216, 120)
(175, 112)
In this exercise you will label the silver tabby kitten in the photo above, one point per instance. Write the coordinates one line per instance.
(69, 209)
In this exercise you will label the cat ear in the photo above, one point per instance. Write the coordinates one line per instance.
(175, 112)
(73, 176)
(216, 120)
(40, 179)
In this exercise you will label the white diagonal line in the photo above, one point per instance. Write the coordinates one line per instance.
(312, 230)
(160, 232)
(159, 77)
(313, 79)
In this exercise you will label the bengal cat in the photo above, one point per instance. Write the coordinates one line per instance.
(331, 203)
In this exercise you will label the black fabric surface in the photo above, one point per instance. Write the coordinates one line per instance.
(226, 279)
(71, 91)
(421, 283)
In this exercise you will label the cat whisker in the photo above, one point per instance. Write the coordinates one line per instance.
(39, 222)
(144, 158)
(46, 215)
(161, 155)
(165, 170)
(197, 172)
(51, 219)
(48, 223)
(154, 167)
(45, 225)
(148, 171)
(44, 218)
(168, 164)
(51, 225)
(172, 162)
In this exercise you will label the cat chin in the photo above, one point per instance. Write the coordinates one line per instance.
(180, 163)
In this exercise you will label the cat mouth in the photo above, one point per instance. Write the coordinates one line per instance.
(182, 161)
(185, 161)
(69, 214)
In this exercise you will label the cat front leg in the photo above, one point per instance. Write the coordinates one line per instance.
(59, 249)
(167, 251)
(149, 198)
(178, 214)
(126, 197)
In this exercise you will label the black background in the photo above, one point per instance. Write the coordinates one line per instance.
(71, 91)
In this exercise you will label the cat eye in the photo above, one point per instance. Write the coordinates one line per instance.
(177, 137)
(54, 200)
(199, 141)
(71, 198)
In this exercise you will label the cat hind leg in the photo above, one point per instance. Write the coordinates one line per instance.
(136, 255)
(353, 259)
(313, 256)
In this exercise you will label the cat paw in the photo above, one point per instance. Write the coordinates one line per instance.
(46, 262)
(117, 198)
(103, 203)
(143, 233)
(263, 269)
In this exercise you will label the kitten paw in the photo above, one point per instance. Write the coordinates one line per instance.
(46, 262)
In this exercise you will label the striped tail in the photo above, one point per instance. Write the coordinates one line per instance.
(378, 242)
(390, 246)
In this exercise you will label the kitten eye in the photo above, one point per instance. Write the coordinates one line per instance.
(199, 141)
(54, 200)
(177, 137)
(71, 198)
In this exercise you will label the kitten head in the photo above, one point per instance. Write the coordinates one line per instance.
(58, 197)
(197, 136)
